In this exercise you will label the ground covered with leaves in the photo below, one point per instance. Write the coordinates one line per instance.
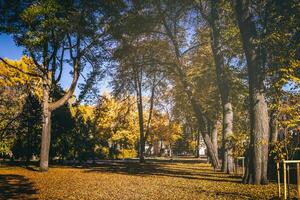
(156, 179)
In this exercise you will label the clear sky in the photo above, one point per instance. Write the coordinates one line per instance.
(9, 49)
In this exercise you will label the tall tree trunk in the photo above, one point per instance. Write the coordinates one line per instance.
(187, 87)
(256, 172)
(196, 107)
(207, 140)
(150, 110)
(138, 84)
(48, 107)
(223, 85)
(227, 133)
(141, 125)
(214, 137)
(46, 127)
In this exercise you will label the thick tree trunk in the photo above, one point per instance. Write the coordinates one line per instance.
(259, 139)
(262, 126)
(46, 130)
(258, 151)
(228, 162)
(49, 107)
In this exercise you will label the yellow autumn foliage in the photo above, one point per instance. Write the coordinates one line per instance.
(14, 74)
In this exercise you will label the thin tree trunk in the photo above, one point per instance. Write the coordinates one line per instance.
(141, 118)
(259, 139)
(198, 144)
(29, 130)
(214, 137)
(161, 147)
(141, 125)
(150, 108)
(273, 128)
(148, 152)
(29, 140)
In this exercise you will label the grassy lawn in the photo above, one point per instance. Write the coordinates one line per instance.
(157, 179)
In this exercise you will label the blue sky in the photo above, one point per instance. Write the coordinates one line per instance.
(9, 49)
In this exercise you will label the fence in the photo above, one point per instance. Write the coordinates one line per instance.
(286, 177)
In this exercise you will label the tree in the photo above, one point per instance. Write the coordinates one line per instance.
(117, 125)
(55, 34)
(29, 129)
(223, 84)
(172, 30)
(137, 73)
(20, 94)
(258, 151)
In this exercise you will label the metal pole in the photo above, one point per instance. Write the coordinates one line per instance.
(298, 179)
(284, 179)
(278, 179)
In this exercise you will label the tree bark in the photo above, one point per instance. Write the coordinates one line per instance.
(141, 124)
(273, 128)
(223, 85)
(214, 137)
(150, 108)
(46, 127)
(227, 133)
(207, 140)
(49, 107)
(198, 144)
(138, 85)
(196, 107)
(183, 79)
(256, 172)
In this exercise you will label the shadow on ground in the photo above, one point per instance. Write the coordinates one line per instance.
(16, 187)
(160, 168)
